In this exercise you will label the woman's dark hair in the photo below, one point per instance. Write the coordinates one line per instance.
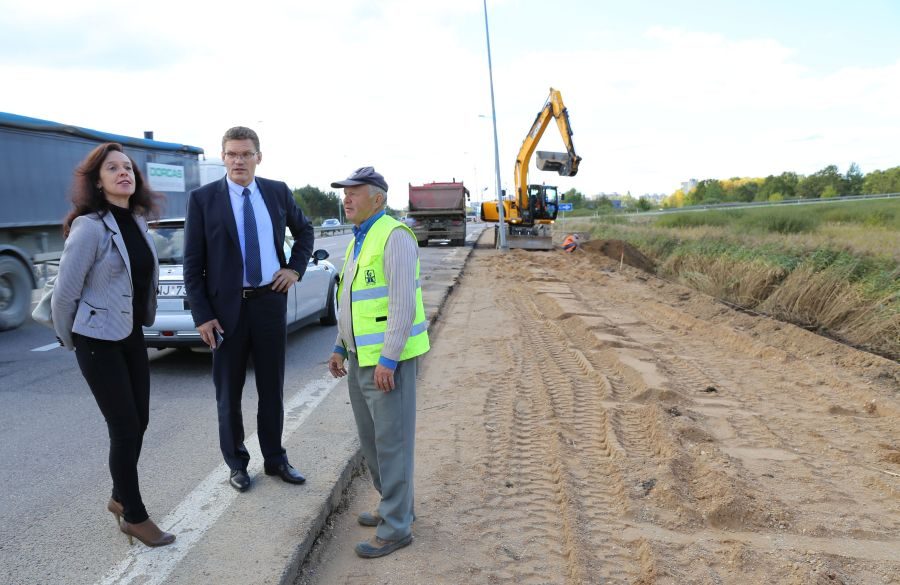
(88, 198)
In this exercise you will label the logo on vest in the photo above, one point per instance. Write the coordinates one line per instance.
(370, 276)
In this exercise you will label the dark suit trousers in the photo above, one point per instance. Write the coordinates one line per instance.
(261, 333)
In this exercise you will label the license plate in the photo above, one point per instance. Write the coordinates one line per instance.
(171, 290)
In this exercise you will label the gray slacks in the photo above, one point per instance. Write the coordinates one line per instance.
(386, 422)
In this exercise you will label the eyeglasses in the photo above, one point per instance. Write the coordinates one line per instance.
(240, 155)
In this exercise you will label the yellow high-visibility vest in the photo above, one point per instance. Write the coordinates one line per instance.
(369, 297)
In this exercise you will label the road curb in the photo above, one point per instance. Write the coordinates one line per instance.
(439, 285)
(317, 524)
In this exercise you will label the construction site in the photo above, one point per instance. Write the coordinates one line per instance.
(583, 421)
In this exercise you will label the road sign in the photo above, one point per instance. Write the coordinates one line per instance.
(565, 207)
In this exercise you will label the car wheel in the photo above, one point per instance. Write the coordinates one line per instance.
(423, 243)
(330, 316)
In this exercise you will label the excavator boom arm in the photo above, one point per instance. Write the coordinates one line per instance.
(564, 164)
(530, 212)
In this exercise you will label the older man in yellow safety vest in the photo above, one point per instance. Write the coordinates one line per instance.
(381, 331)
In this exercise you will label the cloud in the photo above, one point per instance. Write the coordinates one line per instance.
(698, 104)
(402, 84)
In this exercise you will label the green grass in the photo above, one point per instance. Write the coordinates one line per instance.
(689, 219)
(792, 219)
(834, 266)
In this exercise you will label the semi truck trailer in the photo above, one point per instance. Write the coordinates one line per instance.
(37, 160)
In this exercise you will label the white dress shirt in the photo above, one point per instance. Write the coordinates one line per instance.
(264, 231)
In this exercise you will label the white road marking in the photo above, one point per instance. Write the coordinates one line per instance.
(47, 347)
(202, 507)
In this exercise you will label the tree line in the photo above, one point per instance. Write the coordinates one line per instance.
(828, 182)
(606, 204)
(317, 205)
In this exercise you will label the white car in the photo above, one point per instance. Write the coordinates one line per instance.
(331, 223)
(312, 299)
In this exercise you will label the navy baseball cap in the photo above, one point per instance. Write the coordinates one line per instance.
(363, 176)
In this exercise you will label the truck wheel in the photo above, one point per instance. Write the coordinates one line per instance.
(15, 293)
(330, 316)
(423, 243)
(458, 242)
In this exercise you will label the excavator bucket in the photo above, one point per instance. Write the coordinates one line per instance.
(558, 162)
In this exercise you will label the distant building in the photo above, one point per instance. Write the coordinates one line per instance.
(688, 186)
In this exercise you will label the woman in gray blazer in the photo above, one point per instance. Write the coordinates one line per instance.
(104, 293)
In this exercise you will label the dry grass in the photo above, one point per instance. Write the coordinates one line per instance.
(864, 240)
(826, 300)
(854, 238)
(741, 282)
(842, 280)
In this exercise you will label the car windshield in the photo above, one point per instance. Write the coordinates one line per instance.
(169, 241)
(169, 244)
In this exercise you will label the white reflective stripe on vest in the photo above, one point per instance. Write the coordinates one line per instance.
(376, 338)
(369, 294)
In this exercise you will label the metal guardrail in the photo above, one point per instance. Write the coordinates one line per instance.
(332, 231)
(47, 257)
(742, 205)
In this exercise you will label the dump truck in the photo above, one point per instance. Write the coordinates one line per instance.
(37, 160)
(437, 211)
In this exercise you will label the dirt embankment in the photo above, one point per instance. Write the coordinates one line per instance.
(621, 251)
(582, 422)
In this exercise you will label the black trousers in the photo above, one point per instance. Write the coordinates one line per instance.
(118, 373)
(261, 332)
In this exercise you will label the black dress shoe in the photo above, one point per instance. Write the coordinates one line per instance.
(239, 480)
(286, 472)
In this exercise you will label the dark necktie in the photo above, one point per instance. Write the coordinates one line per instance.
(252, 262)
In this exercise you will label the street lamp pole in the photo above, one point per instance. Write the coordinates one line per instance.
(501, 226)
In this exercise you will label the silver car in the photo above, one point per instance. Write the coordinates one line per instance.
(312, 299)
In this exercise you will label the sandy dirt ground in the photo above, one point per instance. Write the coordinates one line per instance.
(580, 421)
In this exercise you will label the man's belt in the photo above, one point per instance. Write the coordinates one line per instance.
(252, 293)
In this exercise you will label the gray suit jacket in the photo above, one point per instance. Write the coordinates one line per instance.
(93, 291)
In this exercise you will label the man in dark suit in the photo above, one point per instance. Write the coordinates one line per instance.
(237, 280)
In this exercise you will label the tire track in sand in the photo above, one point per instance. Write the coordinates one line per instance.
(562, 450)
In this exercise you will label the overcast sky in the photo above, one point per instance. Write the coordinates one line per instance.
(658, 91)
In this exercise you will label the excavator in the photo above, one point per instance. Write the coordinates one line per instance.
(529, 215)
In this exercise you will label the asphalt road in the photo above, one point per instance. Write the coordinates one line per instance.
(54, 527)
(55, 479)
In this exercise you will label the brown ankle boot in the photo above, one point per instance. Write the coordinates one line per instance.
(147, 532)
